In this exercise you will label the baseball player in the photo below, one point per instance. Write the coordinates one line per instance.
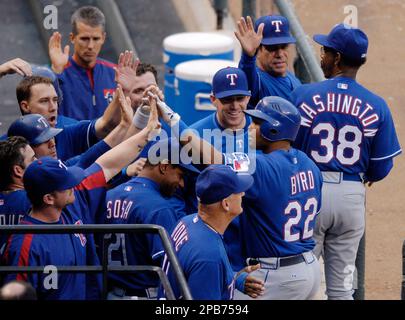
(265, 57)
(227, 130)
(145, 199)
(41, 136)
(281, 207)
(65, 195)
(205, 263)
(15, 155)
(345, 130)
(86, 80)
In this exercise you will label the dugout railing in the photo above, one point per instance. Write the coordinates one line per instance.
(105, 268)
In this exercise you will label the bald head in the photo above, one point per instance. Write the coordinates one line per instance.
(18, 290)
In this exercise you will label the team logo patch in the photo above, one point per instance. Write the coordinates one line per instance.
(238, 161)
(109, 94)
(128, 188)
(343, 86)
(1, 202)
(81, 236)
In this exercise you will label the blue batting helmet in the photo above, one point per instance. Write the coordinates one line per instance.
(281, 119)
(33, 127)
(48, 73)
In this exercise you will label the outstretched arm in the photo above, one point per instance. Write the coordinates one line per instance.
(117, 158)
(16, 65)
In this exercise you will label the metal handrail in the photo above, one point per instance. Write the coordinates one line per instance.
(104, 268)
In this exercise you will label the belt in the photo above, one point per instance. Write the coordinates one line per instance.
(338, 177)
(275, 262)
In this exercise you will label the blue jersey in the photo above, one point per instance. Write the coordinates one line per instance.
(281, 206)
(14, 205)
(344, 126)
(62, 121)
(263, 84)
(75, 139)
(227, 141)
(138, 201)
(204, 261)
(86, 92)
(63, 249)
(90, 156)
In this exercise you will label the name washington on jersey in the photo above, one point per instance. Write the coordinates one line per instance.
(339, 103)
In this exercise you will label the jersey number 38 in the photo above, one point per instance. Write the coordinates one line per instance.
(343, 143)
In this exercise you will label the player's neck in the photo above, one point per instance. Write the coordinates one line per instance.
(16, 185)
(277, 145)
(350, 73)
(48, 214)
(217, 222)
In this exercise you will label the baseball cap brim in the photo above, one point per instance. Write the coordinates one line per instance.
(278, 40)
(47, 135)
(75, 177)
(261, 115)
(322, 39)
(231, 93)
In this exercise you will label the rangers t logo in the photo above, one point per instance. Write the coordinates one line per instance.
(233, 77)
(278, 23)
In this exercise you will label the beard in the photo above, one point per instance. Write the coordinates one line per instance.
(167, 189)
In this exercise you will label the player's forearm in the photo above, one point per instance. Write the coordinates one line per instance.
(118, 135)
(208, 154)
(123, 154)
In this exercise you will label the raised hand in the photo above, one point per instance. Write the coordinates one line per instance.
(248, 38)
(16, 65)
(153, 126)
(58, 57)
(125, 106)
(125, 72)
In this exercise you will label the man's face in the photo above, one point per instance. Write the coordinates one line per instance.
(274, 59)
(230, 111)
(87, 43)
(43, 101)
(172, 180)
(28, 155)
(136, 94)
(327, 62)
(44, 149)
(254, 132)
(63, 198)
(235, 203)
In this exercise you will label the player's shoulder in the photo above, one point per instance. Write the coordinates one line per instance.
(105, 64)
(204, 123)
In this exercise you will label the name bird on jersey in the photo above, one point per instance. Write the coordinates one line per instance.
(346, 123)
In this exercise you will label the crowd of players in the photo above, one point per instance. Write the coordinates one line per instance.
(279, 182)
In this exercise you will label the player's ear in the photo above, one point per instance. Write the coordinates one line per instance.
(48, 199)
(225, 204)
(18, 171)
(163, 168)
(25, 109)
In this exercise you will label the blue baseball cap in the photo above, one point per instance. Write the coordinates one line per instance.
(349, 41)
(47, 175)
(229, 82)
(169, 151)
(33, 127)
(218, 182)
(276, 30)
